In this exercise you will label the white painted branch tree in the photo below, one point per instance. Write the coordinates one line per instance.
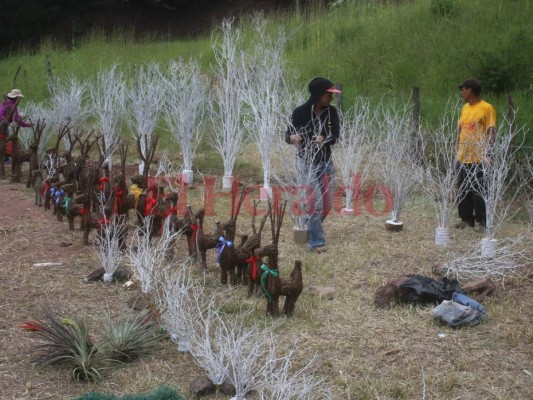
(108, 99)
(248, 350)
(175, 295)
(354, 151)
(184, 109)
(281, 380)
(296, 176)
(167, 171)
(399, 171)
(69, 105)
(499, 185)
(108, 247)
(263, 90)
(149, 257)
(507, 260)
(203, 346)
(145, 98)
(441, 172)
(225, 100)
(38, 112)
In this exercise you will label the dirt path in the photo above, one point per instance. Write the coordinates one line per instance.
(30, 235)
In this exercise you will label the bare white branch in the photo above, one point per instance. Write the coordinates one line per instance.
(145, 98)
(440, 167)
(69, 105)
(263, 90)
(226, 102)
(354, 154)
(150, 257)
(399, 171)
(184, 109)
(108, 99)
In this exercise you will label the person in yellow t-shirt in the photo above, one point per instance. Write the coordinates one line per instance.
(477, 131)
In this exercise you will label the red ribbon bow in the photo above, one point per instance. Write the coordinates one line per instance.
(253, 262)
(102, 181)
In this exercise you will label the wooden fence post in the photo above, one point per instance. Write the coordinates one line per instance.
(511, 113)
(416, 137)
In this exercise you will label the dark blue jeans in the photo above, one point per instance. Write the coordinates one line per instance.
(471, 205)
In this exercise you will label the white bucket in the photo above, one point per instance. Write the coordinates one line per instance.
(299, 236)
(108, 278)
(442, 236)
(183, 346)
(226, 183)
(265, 193)
(347, 212)
(488, 247)
(187, 176)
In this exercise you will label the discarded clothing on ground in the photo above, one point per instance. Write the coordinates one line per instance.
(416, 289)
(459, 311)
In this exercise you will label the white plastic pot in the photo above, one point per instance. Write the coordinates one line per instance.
(347, 212)
(227, 181)
(187, 176)
(299, 236)
(442, 236)
(108, 278)
(393, 226)
(488, 247)
(265, 193)
(183, 346)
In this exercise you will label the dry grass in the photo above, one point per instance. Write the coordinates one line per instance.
(365, 353)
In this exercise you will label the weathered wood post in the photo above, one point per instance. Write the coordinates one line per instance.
(416, 137)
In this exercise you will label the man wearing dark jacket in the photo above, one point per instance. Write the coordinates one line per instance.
(314, 128)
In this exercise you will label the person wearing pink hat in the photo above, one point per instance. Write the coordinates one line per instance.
(8, 114)
(314, 129)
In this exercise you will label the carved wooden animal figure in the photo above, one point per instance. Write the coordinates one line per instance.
(291, 288)
(48, 190)
(200, 241)
(59, 194)
(37, 184)
(87, 221)
(270, 270)
(227, 255)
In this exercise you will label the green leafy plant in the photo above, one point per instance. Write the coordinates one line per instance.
(132, 337)
(65, 342)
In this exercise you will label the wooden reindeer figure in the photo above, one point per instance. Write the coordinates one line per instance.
(87, 220)
(64, 201)
(270, 281)
(48, 190)
(37, 184)
(247, 261)
(57, 196)
(227, 255)
(38, 129)
(70, 209)
(16, 155)
(291, 288)
(201, 241)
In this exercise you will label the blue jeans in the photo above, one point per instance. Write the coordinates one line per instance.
(323, 189)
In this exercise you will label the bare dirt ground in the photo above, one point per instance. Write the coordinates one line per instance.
(365, 353)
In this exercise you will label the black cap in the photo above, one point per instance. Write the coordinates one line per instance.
(471, 83)
(319, 86)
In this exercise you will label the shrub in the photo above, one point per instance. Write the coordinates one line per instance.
(444, 8)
